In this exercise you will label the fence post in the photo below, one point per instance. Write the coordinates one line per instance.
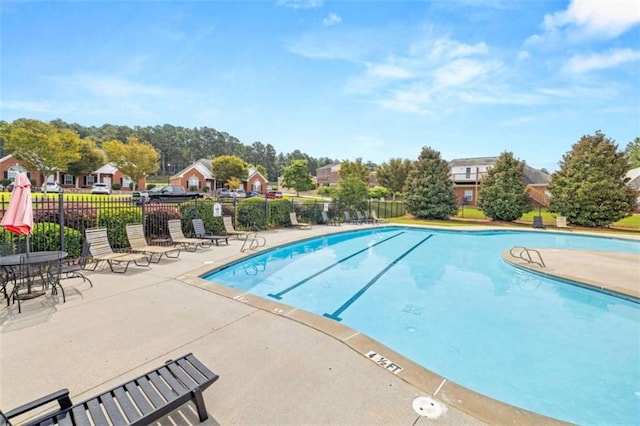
(195, 206)
(61, 219)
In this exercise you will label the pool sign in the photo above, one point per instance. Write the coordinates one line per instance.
(384, 362)
(217, 210)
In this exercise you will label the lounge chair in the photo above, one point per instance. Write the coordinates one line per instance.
(363, 219)
(374, 217)
(294, 222)
(138, 243)
(231, 231)
(200, 232)
(327, 221)
(347, 219)
(141, 401)
(101, 250)
(178, 238)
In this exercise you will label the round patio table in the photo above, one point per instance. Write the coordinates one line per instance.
(25, 267)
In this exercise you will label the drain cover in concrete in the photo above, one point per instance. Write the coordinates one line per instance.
(427, 407)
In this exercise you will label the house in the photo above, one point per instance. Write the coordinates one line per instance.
(108, 173)
(467, 174)
(199, 175)
(329, 175)
(633, 182)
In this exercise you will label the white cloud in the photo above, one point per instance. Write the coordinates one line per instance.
(585, 63)
(332, 19)
(388, 71)
(300, 4)
(113, 87)
(590, 18)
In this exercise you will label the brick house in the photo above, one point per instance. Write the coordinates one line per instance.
(106, 174)
(329, 175)
(199, 175)
(467, 174)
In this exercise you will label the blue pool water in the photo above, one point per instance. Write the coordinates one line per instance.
(448, 301)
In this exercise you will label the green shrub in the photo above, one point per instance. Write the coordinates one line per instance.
(46, 236)
(116, 186)
(251, 214)
(193, 188)
(156, 220)
(204, 209)
(116, 221)
(378, 192)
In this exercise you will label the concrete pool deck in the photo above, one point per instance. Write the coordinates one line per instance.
(277, 365)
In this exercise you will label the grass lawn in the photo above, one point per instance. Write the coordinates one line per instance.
(474, 213)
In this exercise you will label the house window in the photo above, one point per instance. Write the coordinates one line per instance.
(468, 173)
(468, 196)
(126, 182)
(11, 173)
(89, 180)
(193, 181)
(67, 180)
(256, 186)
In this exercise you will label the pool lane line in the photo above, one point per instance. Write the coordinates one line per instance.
(348, 303)
(279, 294)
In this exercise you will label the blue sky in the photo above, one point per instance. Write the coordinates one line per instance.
(342, 79)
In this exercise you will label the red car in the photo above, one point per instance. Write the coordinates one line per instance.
(274, 194)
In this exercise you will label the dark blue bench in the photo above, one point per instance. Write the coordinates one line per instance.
(138, 402)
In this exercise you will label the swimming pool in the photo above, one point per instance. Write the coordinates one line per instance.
(447, 300)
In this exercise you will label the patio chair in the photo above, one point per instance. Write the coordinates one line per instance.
(363, 219)
(200, 232)
(327, 221)
(101, 251)
(374, 217)
(178, 238)
(138, 243)
(141, 401)
(347, 219)
(294, 222)
(74, 270)
(231, 231)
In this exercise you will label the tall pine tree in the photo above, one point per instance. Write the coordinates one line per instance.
(589, 189)
(429, 189)
(503, 193)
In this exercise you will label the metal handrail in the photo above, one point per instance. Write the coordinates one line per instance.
(253, 242)
(527, 251)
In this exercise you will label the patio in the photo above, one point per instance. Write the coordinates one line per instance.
(274, 368)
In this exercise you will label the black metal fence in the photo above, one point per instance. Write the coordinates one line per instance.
(60, 220)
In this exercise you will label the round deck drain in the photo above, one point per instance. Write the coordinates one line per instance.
(427, 407)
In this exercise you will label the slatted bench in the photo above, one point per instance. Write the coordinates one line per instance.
(141, 401)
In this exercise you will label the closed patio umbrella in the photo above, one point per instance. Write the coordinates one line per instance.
(18, 218)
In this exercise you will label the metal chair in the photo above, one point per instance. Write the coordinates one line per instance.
(73, 270)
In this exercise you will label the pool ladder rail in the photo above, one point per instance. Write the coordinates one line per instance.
(253, 241)
(524, 253)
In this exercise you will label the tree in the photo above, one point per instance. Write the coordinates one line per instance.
(429, 190)
(90, 159)
(393, 175)
(352, 193)
(503, 193)
(135, 159)
(226, 167)
(633, 153)
(590, 188)
(234, 183)
(355, 168)
(297, 176)
(41, 146)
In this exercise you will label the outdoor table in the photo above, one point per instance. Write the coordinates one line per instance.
(17, 267)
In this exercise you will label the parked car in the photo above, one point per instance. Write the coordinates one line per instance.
(101, 188)
(274, 194)
(240, 193)
(51, 187)
(224, 193)
(252, 194)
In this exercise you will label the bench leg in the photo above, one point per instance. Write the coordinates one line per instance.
(199, 401)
